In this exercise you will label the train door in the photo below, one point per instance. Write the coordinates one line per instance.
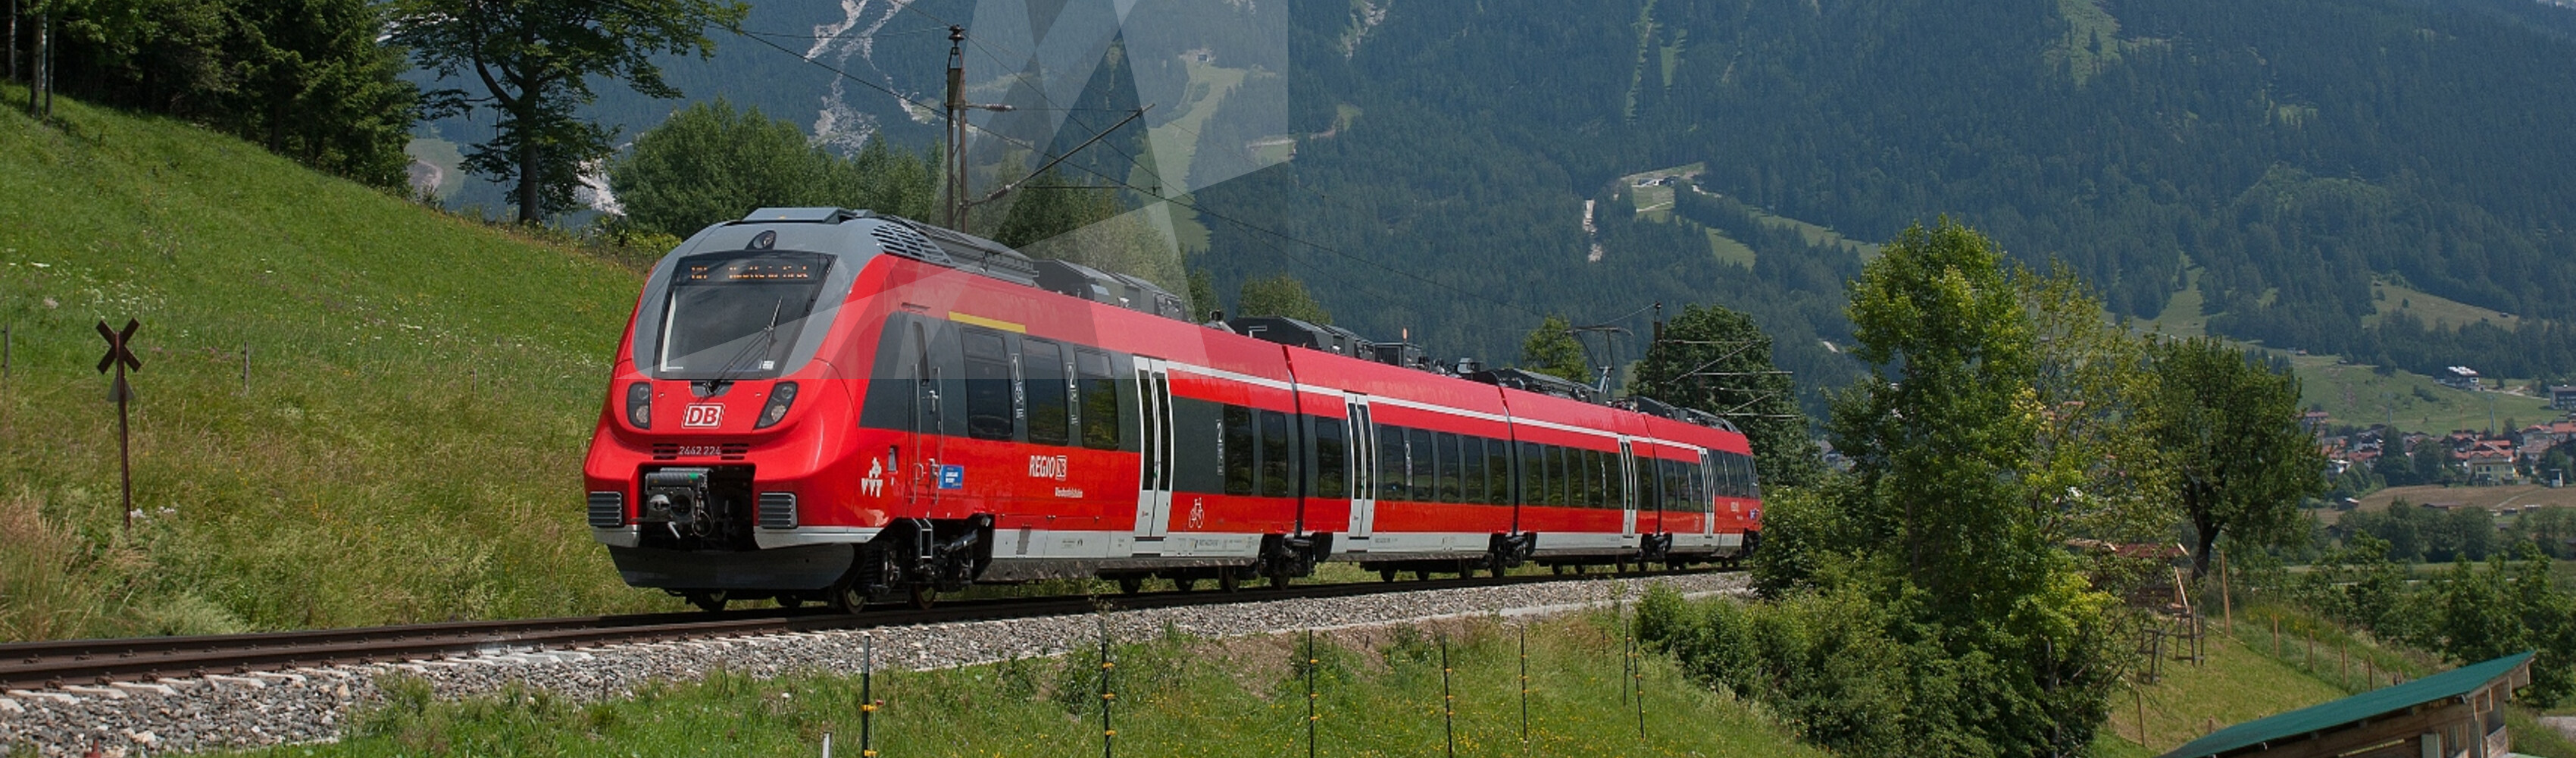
(924, 442)
(1708, 494)
(1363, 467)
(1154, 485)
(1628, 510)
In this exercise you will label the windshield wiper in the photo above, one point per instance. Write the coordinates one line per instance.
(768, 336)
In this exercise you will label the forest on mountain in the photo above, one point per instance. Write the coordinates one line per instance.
(2291, 153)
(2279, 157)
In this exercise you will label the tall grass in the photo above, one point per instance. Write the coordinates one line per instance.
(406, 446)
(1379, 694)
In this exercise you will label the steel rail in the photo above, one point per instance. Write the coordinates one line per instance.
(54, 664)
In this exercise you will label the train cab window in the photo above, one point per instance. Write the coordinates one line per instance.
(1099, 395)
(1332, 460)
(1390, 463)
(1448, 469)
(1274, 455)
(735, 315)
(988, 386)
(1498, 472)
(1042, 371)
(1417, 445)
(1234, 446)
(1472, 470)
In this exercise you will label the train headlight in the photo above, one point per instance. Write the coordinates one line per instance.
(639, 404)
(780, 396)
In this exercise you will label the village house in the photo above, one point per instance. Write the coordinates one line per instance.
(2563, 397)
(2460, 377)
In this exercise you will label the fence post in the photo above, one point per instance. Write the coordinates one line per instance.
(245, 370)
(1108, 733)
(1637, 680)
(827, 745)
(1448, 701)
(9, 332)
(867, 697)
(1311, 663)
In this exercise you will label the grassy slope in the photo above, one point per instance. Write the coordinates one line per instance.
(408, 446)
(2357, 394)
(1379, 695)
(2253, 673)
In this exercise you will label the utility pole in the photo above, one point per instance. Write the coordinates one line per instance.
(957, 128)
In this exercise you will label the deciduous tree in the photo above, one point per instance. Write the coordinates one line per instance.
(1717, 360)
(1550, 349)
(1281, 295)
(535, 60)
(2228, 426)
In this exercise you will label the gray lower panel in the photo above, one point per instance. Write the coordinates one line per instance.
(810, 567)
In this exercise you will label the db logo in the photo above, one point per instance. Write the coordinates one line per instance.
(702, 415)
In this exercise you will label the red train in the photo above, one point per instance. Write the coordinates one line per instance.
(816, 404)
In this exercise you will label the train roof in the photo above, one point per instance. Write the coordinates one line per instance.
(950, 248)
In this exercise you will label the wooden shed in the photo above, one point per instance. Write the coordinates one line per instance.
(2453, 714)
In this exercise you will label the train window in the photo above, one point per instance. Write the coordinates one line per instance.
(1533, 471)
(1390, 463)
(1471, 475)
(1417, 445)
(1650, 489)
(1099, 395)
(1498, 472)
(988, 386)
(1234, 447)
(1274, 455)
(1448, 468)
(1617, 476)
(1332, 460)
(1596, 488)
(1555, 476)
(1042, 370)
(1676, 487)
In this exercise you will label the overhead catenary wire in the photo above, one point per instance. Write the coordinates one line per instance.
(1160, 196)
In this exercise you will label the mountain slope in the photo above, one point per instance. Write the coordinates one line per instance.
(2292, 153)
(408, 441)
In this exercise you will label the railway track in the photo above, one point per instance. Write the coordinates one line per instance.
(55, 664)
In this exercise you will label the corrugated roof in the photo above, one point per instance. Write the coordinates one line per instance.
(2378, 702)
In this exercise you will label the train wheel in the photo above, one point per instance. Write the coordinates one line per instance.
(1386, 575)
(791, 601)
(707, 600)
(923, 595)
(849, 597)
(1229, 580)
(1559, 568)
(1184, 584)
(1279, 581)
(1422, 575)
(1129, 585)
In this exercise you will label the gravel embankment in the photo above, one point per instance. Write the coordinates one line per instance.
(306, 705)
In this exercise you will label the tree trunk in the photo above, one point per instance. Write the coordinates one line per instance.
(36, 98)
(13, 40)
(2208, 539)
(529, 172)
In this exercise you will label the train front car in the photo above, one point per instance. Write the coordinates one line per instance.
(726, 455)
